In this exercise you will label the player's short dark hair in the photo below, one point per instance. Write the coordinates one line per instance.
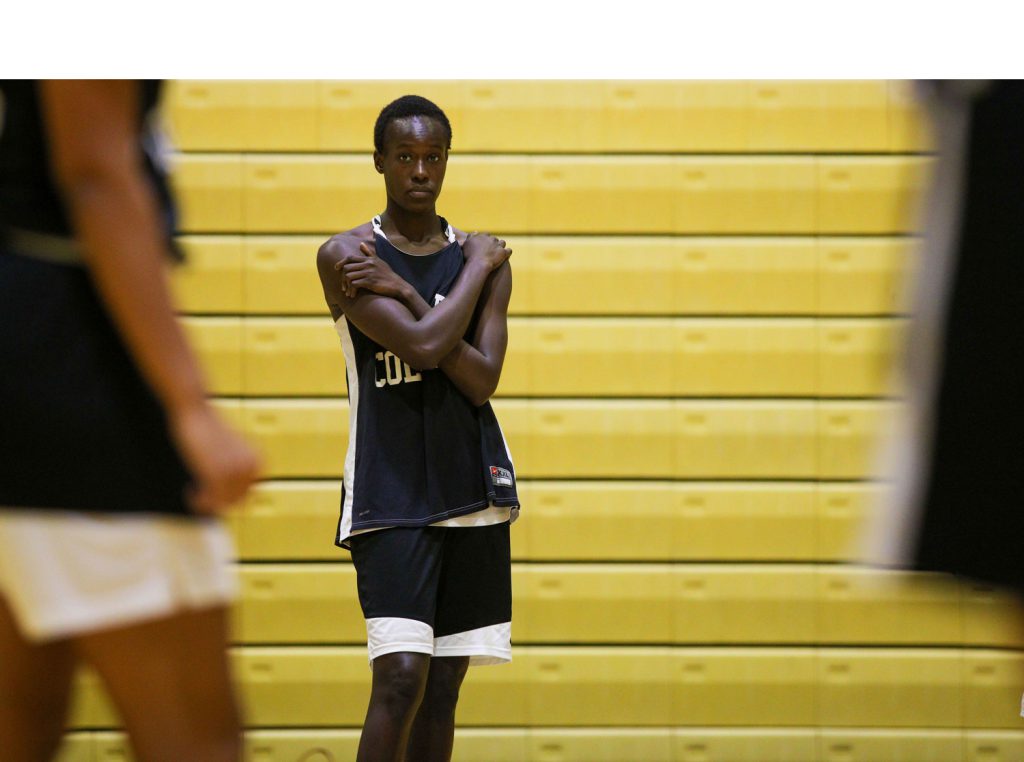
(408, 105)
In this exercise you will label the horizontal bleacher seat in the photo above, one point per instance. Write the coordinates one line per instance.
(650, 686)
(519, 194)
(554, 439)
(691, 604)
(614, 744)
(592, 116)
(276, 275)
(583, 357)
(855, 745)
(625, 520)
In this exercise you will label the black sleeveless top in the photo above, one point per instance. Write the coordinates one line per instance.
(80, 428)
(419, 452)
(29, 199)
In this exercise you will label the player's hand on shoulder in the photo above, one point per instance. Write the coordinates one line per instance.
(334, 254)
(365, 270)
(487, 249)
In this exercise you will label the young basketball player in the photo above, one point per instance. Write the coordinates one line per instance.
(429, 487)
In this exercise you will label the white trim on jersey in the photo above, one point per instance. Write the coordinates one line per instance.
(352, 369)
(449, 233)
(483, 518)
(513, 512)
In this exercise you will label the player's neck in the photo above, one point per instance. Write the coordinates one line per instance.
(415, 227)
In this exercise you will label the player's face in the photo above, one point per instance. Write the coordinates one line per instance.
(413, 162)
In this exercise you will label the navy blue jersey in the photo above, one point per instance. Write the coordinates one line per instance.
(419, 452)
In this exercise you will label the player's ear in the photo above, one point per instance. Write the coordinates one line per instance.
(378, 162)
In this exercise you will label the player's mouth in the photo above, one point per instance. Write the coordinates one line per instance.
(420, 192)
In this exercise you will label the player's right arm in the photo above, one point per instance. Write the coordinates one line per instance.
(423, 342)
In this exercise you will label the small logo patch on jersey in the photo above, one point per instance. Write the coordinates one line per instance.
(438, 299)
(501, 477)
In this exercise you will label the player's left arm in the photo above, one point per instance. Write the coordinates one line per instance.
(474, 366)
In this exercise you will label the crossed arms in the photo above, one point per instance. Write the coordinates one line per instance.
(388, 310)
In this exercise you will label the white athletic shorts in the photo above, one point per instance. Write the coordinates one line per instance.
(68, 573)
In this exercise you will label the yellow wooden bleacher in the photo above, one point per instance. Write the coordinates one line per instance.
(570, 357)
(709, 297)
(552, 116)
(599, 276)
(519, 194)
(614, 745)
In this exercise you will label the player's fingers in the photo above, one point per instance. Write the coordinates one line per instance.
(236, 487)
(229, 487)
(348, 258)
(363, 281)
(200, 499)
(368, 250)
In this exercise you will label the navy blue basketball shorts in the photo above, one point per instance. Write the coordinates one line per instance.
(443, 591)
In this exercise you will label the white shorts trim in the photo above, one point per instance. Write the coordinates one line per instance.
(484, 645)
(388, 635)
(67, 573)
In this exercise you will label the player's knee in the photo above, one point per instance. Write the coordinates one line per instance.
(399, 681)
(442, 692)
(440, 702)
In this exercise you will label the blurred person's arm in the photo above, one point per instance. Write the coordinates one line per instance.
(97, 164)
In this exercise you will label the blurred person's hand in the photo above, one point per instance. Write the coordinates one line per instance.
(223, 465)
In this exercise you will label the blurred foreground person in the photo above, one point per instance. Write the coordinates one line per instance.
(113, 464)
(956, 457)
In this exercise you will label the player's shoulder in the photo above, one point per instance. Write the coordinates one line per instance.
(347, 242)
(348, 238)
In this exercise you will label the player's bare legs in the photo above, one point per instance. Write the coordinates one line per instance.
(170, 681)
(399, 680)
(433, 730)
(35, 682)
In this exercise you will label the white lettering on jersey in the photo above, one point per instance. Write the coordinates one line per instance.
(391, 370)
